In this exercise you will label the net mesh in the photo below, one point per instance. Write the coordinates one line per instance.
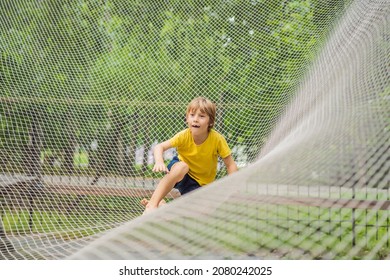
(87, 88)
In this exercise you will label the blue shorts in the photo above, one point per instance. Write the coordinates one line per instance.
(187, 184)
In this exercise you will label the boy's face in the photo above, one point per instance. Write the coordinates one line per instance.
(198, 122)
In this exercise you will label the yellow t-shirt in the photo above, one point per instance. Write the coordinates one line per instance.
(202, 159)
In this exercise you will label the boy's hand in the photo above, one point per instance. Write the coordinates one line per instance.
(160, 167)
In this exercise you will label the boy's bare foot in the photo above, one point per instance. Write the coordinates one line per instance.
(145, 202)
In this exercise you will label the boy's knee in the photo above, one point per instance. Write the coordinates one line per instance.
(182, 167)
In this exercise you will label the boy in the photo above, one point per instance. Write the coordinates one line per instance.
(198, 149)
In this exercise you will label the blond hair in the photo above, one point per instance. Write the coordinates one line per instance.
(205, 106)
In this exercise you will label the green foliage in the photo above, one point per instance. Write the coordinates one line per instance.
(59, 84)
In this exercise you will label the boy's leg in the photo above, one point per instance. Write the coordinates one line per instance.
(176, 174)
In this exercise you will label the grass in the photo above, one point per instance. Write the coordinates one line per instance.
(316, 232)
(76, 216)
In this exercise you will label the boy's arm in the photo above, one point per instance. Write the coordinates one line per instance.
(231, 165)
(159, 150)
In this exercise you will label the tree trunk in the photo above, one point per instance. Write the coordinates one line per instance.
(68, 159)
(70, 148)
(33, 150)
(119, 147)
(220, 113)
(130, 155)
(147, 146)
